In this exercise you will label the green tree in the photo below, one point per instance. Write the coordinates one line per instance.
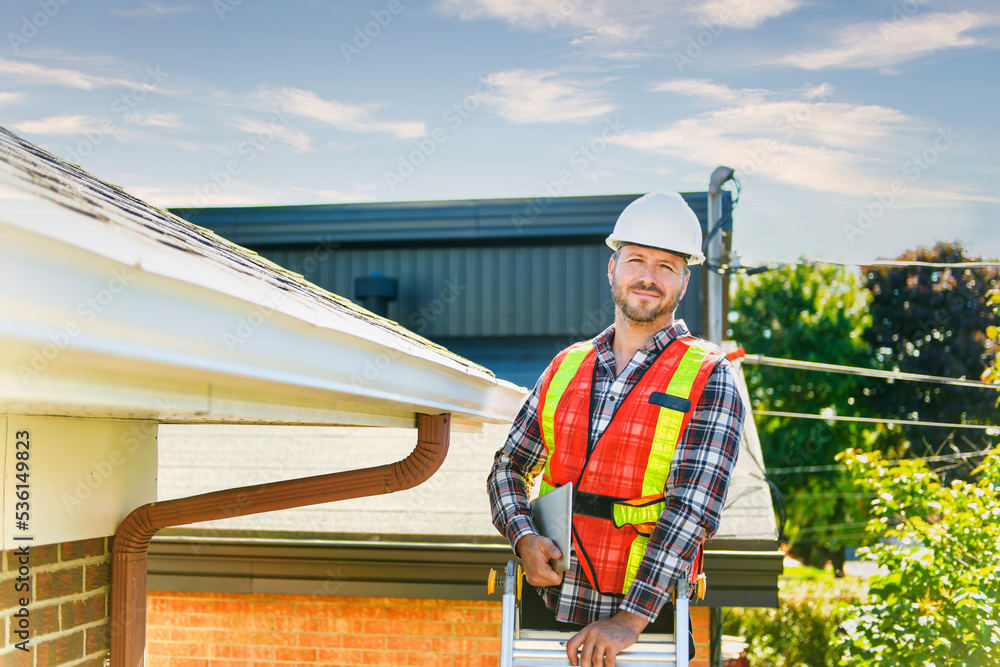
(932, 321)
(809, 313)
(939, 601)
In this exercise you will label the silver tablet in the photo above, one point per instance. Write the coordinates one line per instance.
(553, 517)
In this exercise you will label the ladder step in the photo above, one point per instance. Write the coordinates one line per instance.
(550, 651)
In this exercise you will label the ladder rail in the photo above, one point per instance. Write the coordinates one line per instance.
(547, 648)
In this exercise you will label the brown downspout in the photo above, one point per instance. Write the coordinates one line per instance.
(128, 583)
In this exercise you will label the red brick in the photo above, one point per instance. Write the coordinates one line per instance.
(166, 619)
(261, 623)
(10, 598)
(476, 661)
(60, 650)
(385, 627)
(421, 644)
(82, 612)
(157, 634)
(453, 615)
(295, 654)
(384, 658)
(233, 637)
(213, 621)
(44, 554)
(406, 613)
(489, 615)
(97, 575)
(253, 652)
(339, 625)
(58, 583)
(362, 611)
(276, 639)
(453, 645)
(484, 630)
(273, 609)
(189, 606)
(321, 640)
(44, 620)
(319, 610)
(339, 656)
(19, 658)
(191, 635)
(368, 642)
(488, 646)
(82, 549)
(239, 607)
(188, 662)
(416, 659)
(295, 624)
(209, 650)
(429, 629)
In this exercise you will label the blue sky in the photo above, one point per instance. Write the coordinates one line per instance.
(857, 129)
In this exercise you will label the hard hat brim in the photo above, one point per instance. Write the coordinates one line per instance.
(692, 259)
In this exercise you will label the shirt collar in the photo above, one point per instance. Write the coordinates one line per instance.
(657, 343)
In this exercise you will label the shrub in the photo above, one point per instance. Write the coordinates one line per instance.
(801, 631)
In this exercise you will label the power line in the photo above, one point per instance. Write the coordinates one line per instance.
(874, 420)
(891, 263)
(763, 360)
(842, 466)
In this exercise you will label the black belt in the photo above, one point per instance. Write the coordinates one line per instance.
(592, 504)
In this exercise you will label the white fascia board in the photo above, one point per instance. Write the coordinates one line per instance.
(96, 322)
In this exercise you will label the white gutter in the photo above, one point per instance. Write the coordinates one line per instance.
(99, 319)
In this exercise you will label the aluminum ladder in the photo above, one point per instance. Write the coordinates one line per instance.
(543, 648)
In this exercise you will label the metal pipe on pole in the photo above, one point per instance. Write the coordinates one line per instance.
(714, 326)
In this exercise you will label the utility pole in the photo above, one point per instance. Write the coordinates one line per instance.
(714, 326)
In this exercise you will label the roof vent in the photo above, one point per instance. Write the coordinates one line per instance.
(375, 291)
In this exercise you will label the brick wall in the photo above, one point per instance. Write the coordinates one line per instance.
(244, 630)
(69, 604)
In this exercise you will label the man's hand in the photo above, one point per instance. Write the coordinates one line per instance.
(599, 643)
(536, 552)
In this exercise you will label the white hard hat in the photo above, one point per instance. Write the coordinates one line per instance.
(660, 220)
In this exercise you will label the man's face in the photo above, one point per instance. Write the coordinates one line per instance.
(646, 283)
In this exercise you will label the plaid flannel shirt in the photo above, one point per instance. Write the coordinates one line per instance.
(695, 491)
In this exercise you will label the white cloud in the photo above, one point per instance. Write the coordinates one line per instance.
(154, 119)
(299, 141)
(802, 139)
(743, 14)
(69, 78)
(619, 21)
(150, 10)
(888, 43)
(59, 125)
(523, 96)
(350, 117)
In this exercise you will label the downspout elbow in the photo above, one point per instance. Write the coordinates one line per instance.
(131, 541)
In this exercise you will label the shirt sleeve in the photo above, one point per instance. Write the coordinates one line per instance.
(515, 467)
(695, 494)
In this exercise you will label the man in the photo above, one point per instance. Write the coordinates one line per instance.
(645, 420)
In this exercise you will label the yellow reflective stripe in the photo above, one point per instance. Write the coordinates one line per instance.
(668, 424)
(557, 387)
(630, 515)
(635, 554)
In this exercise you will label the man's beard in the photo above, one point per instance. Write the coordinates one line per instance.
(641, 315)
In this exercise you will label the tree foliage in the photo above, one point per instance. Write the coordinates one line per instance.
(939, 601)
(932, 321)
(810, 313)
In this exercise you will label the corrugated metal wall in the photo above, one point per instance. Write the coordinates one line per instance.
(543, 290)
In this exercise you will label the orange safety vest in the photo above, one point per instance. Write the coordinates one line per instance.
(625, 474)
